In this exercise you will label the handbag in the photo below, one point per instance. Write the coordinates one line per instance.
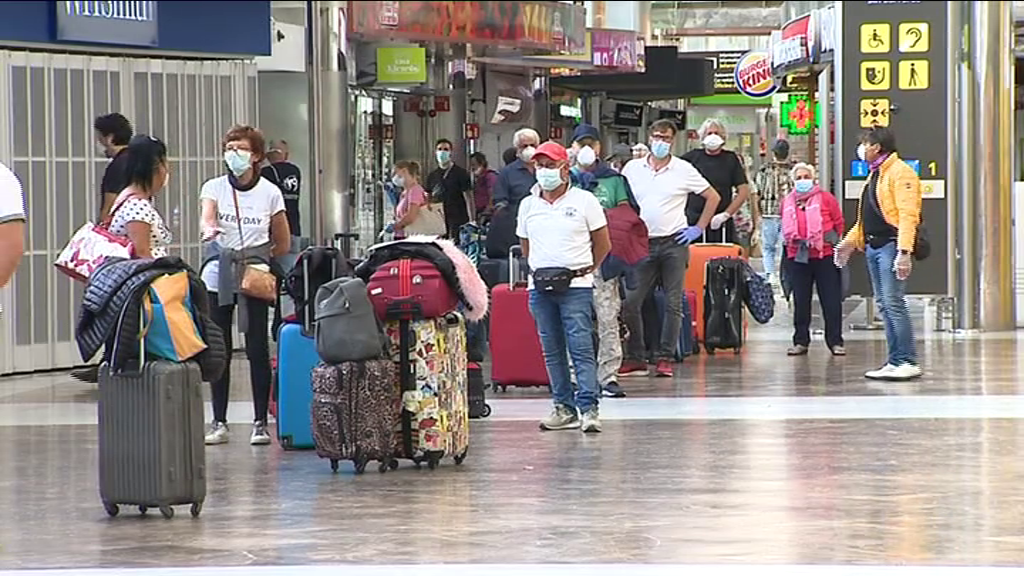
(429, 221)
(554, 279)
(758, 296)
(91, 245)
(253, 282)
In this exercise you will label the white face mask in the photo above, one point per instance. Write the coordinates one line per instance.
(862, 152)
(526, 154)
(586, 156)
(713, 141)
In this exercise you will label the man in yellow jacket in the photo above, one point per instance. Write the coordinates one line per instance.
(886, 231)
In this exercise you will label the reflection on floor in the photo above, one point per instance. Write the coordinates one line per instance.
(736, 463)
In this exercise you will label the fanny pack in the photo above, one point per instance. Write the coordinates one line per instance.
(555, 280)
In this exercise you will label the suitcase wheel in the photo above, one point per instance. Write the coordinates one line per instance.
(384, 466)
(486, 412)
(360, 466)
(709, 349)
(433, 460)
(393, 464)
(197, 507)
(334, 465)
(143, 510)
(736, 351)
(167, 511)
(459, 458)
(111, 509)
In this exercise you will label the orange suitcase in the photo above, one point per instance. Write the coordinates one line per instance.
(699, 256)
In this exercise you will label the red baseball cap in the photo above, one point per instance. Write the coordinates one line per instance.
(552, 150)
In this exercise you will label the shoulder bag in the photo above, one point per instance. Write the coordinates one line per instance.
(91, 245)
(253, 282)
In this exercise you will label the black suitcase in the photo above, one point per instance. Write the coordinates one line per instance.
(476, 387)
(723, 304)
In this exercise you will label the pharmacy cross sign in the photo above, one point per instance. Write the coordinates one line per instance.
(107, 22)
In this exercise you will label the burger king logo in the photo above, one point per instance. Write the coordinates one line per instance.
(753, 75)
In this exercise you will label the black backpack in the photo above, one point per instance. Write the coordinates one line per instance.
(322, 264)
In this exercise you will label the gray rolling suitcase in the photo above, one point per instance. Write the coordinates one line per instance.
(152, 453)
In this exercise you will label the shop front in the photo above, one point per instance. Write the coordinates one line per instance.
(167, 66)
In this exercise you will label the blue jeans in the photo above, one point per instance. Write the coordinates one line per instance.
(566, 322)
(890, 298)
(771, 234)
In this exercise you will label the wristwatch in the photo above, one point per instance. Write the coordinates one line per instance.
(905, 252)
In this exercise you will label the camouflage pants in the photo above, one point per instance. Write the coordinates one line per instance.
(607, 304)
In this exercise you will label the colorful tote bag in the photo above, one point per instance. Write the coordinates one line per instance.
(170, 330)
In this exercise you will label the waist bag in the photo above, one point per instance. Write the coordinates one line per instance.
(553, 279)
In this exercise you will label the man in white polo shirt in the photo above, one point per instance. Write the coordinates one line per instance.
(564, 235)
(12, 224)
(662, 184)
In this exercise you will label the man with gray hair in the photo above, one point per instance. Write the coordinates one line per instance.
(724, 171)
(288, 178)
(515, 181)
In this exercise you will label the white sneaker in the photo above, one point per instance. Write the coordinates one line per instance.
(260, 436)
(883, 373)
(591, 422)
(906, 372)
(218, 434)
(561, 418)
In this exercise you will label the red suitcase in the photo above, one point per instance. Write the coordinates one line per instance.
(410, 288)
(517, 358)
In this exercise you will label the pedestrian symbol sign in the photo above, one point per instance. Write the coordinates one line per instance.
(875, 38)
(874, 112)
(913, 37)
(875, 75)
(913, 74)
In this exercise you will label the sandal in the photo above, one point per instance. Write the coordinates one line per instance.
(797, 350)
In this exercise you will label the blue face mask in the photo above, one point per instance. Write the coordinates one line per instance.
(238, 161)
(660, 148)
(803, 186)
(549, 178)
(443, 156)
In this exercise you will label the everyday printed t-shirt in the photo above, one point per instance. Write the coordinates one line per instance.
(663, 194)
(559, 231)
(141, 210)
(255, 206)
(12, 202)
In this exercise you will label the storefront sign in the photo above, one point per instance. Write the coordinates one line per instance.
(401, 65)
(824, 49)
(791, 46)
(677, 116)
(796, 115)
(554, 26)
(124, 23)
(630, 115)
(724, 64)
(613, 49)
(753, 75)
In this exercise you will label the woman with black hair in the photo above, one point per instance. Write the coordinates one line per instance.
(133, 213)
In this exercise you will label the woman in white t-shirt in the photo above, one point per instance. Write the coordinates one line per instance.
(242, 212)
(133, 213)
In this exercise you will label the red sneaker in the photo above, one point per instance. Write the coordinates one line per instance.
(634, 369)
(664, 369)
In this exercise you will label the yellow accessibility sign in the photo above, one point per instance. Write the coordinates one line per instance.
(875, 75)
(874, 112)
(913, 75)
(875, 38)
(913, 37)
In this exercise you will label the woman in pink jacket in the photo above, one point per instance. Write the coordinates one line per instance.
(812, 224)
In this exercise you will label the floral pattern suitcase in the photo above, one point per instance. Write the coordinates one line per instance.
(435, 401)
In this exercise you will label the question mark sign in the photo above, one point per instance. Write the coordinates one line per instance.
(916, 34)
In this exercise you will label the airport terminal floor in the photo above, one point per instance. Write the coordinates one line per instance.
(748, 464)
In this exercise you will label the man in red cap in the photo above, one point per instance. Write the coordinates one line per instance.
(564, 235)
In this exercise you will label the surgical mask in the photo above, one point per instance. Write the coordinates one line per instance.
(526, 154)
(398, 181)
(443, 156)
(803, 186)
(660, 148)
(238, 161)
(586, 156)
(862, 152)
(713, 141)
(549, 178)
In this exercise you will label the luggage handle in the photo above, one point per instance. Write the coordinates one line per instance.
(513, 266)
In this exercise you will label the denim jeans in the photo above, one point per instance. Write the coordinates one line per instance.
(565, 323)
(666, 265)
(771, 234)
(890, 298)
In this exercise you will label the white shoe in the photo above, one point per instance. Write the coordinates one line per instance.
(260, 436)
(906, 372)
(883, 373)
(218, 434)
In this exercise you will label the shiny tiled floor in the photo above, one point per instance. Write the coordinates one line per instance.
(749, 464)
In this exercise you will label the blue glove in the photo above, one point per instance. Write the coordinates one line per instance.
(390, 227)
(689, 235)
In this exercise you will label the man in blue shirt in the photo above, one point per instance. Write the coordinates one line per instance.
(514, 183)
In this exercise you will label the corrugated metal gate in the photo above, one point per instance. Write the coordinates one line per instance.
(46, 137)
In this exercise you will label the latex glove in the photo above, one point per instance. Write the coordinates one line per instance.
(718, 219)
(841, 254)
(902, 266)
(389, 227)
(208, 233)
(688, 235)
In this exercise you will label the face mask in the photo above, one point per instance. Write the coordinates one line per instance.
(443, 156)
(861, 152)
(803, 186)
(713, 141)
(238, 161)
(398, 181)
(526, 154)
(586, 156)
(660, 148)
(549, 178)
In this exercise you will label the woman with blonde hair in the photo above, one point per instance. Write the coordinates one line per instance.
(413, 198)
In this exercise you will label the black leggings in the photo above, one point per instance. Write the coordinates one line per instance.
(257, 348)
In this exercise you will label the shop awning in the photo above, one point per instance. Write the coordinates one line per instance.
(668, 76)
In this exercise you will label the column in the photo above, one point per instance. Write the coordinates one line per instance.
(824, 132)
(460, 102)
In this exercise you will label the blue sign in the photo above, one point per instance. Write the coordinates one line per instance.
(915, 164)
(859, 169)
(124, 23)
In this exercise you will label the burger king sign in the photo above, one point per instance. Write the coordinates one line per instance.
(754, 75)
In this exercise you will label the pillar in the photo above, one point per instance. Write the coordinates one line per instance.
(460, 103)
(825, 132)
(986, 200)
